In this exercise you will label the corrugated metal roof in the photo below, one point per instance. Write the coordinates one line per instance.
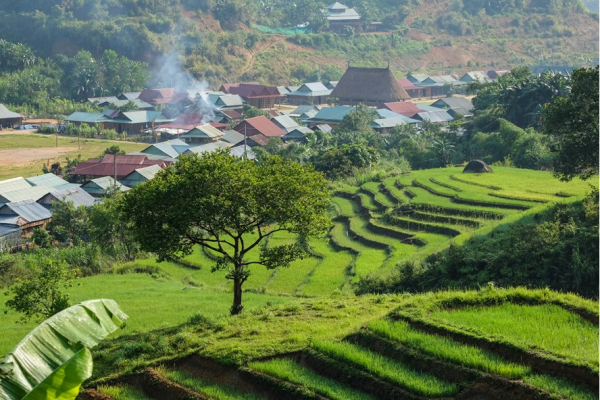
(31, 193)
(454, 102)
(8, 229)
(48, 179)
(308, 115)
(238, 151)
(149, 172)
(388, 122)
(206, 131)
(104, 99)
(285, 122)
(231, 100)
(337, 12)
(171, 148)
(435, 116)
(325, 128)
(232, 137)
(474, 76)
(298, 133)
(417, 77)
(12, 184)
(303, 109)
(141, 104)
(312, 89)
(209, 147)
(129, 95)
(265, 126)
(78, 196)
(101, 185)
(424, 107)
(29, 210)
(90, 118)
(5, 113)
(334, 114)
(260, 140)
(405, 108)
(407, 84)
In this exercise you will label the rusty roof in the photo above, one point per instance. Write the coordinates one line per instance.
(263, 125)
(405, 108)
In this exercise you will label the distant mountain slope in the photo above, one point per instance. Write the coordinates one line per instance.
(213, 40)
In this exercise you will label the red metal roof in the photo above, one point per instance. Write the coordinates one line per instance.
(150, 95)
(405, 108)
(121, 159)
(264, 125)
(219, 125)
(407, 84)
(233, 114)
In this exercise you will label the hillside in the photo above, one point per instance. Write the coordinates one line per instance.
(218, 41)
(490, 344)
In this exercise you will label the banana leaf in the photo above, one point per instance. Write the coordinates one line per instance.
(56, 344)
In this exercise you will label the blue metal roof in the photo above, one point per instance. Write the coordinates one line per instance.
(47, 179)
(78, 196)
(334, 114)
(29, 210)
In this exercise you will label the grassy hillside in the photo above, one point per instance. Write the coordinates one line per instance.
(372, 347)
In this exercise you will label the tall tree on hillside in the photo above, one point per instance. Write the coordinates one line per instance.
(229, 206)
(573, 120)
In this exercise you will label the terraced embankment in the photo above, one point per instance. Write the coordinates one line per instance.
(491, 344)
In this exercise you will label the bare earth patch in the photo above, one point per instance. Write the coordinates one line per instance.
(23, 157)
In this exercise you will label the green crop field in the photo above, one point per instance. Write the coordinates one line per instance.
(367, 347)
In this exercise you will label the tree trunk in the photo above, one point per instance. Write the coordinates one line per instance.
(237, 306)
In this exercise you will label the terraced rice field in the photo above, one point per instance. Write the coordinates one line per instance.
(403, 218)
(416, 352)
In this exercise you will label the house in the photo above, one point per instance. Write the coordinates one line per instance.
(129, 95)
(50, 180)
(298, 133)
(331, 84)
(103, 99)
(455, 106)
(202, 134)
(384, 125)
(438, 85)
(170, 148)
(309, 93)
(27, 193)
(340, 16)
(384, 113)
(439, 116)
(475, 76)
(165, 96)
(254, 94)
(207, 148)
(100, 187)
(223, 101)
(495, 74)
(260, 125)
(330, 115)
(258, 140)
(10, 238)
(232, 137)
(138, 104)
(9, 119)
(228, 116)
(26, 214)
(302, 109)
(285, 122)
(417, 78)
(78, 196)
(243, 151)
(140, 175)
(114, 165)
(120, 121)
(308, 115)
(371, 86)
(405, 108)
(410, 88)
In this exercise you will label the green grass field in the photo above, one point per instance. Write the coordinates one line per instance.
(21, 142)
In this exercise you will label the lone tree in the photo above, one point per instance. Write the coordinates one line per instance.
(573, 120)
(229, 206)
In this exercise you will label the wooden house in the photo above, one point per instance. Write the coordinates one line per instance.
(260, 125)
(254, 94)
(9, 119)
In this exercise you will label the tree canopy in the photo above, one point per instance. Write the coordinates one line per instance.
(229, 206)
(573, 120)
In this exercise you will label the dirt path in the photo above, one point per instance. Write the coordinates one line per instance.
(259, 49)
(24, 157)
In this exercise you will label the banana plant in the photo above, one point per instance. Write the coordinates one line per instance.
(53, 360)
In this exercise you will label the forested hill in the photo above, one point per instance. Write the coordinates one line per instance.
(222, 40)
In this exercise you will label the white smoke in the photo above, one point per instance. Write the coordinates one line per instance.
(170, 73)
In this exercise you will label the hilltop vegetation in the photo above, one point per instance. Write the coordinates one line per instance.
(213, 41)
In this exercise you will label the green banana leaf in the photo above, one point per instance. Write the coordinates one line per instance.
(55, 343)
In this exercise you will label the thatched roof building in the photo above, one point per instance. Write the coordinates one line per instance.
(477, 167)
(371, 86)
